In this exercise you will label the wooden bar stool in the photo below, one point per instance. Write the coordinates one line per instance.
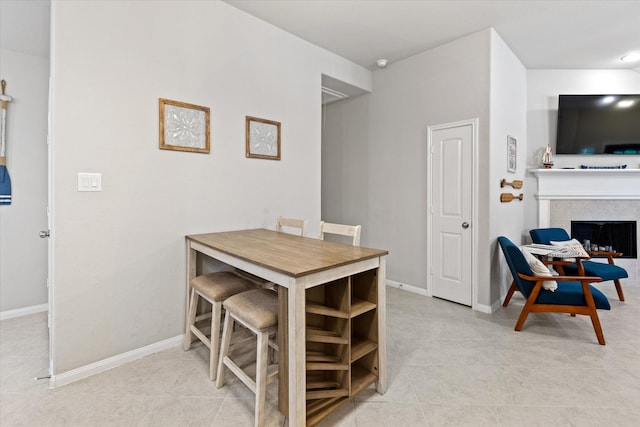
(256, 310)
(214, 288)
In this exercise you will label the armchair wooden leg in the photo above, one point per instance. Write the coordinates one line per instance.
(521, 319)
(619, 289)
(595, 320)
(510, 292)
(528, 305)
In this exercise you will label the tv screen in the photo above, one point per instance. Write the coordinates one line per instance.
(598, 124)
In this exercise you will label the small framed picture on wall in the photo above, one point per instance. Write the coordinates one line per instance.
(263, 138)
(512, 154)
(184, 127)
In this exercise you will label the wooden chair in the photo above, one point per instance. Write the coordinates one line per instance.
(214, 288)
(343, 230)
(256, 310)
(574, 294)
(288, 223)
(607, 272)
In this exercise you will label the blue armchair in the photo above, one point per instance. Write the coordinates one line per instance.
(607, 272)
(574, 294)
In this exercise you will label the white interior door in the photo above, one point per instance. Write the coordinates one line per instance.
(451, 211)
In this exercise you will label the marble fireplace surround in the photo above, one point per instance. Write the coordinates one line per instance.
(589, 194)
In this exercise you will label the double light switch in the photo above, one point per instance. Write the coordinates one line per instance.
(89, 181)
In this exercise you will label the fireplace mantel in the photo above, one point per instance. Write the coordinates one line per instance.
(583, 184)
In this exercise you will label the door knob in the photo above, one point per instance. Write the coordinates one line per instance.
(44, 234)
(465, 225)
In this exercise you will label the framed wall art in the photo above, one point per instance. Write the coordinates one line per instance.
(184, 127)
(512, 154)
(263, 138)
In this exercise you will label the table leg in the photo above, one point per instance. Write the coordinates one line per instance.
(297, 357)
(381, 385)
(283, 353)
(191, 273)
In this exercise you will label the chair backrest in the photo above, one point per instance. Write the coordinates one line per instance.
(545, 235)
(517, 264)
(343, 230)
(300, 224)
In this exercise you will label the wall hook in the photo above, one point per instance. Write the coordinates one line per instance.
(517, 184)
(508, 197)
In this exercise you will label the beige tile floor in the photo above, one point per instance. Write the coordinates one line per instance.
(448, 365)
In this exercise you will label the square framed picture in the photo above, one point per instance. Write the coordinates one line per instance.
(512, 154)
(263, 138)
(184, 127)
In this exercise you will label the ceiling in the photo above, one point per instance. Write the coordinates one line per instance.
(543, 34)
(24, 26)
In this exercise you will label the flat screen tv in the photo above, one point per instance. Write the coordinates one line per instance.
(598, 124)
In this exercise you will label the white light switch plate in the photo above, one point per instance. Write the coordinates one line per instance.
(89, 181)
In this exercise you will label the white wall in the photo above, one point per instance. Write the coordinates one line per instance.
(119, 281)
(377, 145)
(508, 117)
(543, 88)
(375, 148)
(345, 164)
(23, 255)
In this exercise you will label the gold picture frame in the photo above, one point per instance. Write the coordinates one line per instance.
(184, 127)
(262, 138)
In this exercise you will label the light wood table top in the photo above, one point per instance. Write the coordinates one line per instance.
(286, 253)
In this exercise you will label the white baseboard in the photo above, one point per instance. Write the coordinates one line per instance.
(25, 311)
(408, 288)
(482, 308)
(421, 291)
(113, 362)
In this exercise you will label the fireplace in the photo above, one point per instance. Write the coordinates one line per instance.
(619, 236)
(590, 195)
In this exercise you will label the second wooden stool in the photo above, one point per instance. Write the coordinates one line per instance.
(256, 310)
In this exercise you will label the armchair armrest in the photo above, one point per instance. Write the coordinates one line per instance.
(556, 261)
(587, 279)
(609, 255)
(606, 253)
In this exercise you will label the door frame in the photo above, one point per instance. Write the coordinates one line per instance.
(51, 228)
(474, 203)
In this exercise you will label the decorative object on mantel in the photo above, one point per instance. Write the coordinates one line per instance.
(603, 167)
(516, 183)
(263, 138)
(547, 160)
(508, 197)
(184, 127)
(5, 180)
(512, 158)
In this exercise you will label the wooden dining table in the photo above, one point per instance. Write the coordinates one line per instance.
(297, 265)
